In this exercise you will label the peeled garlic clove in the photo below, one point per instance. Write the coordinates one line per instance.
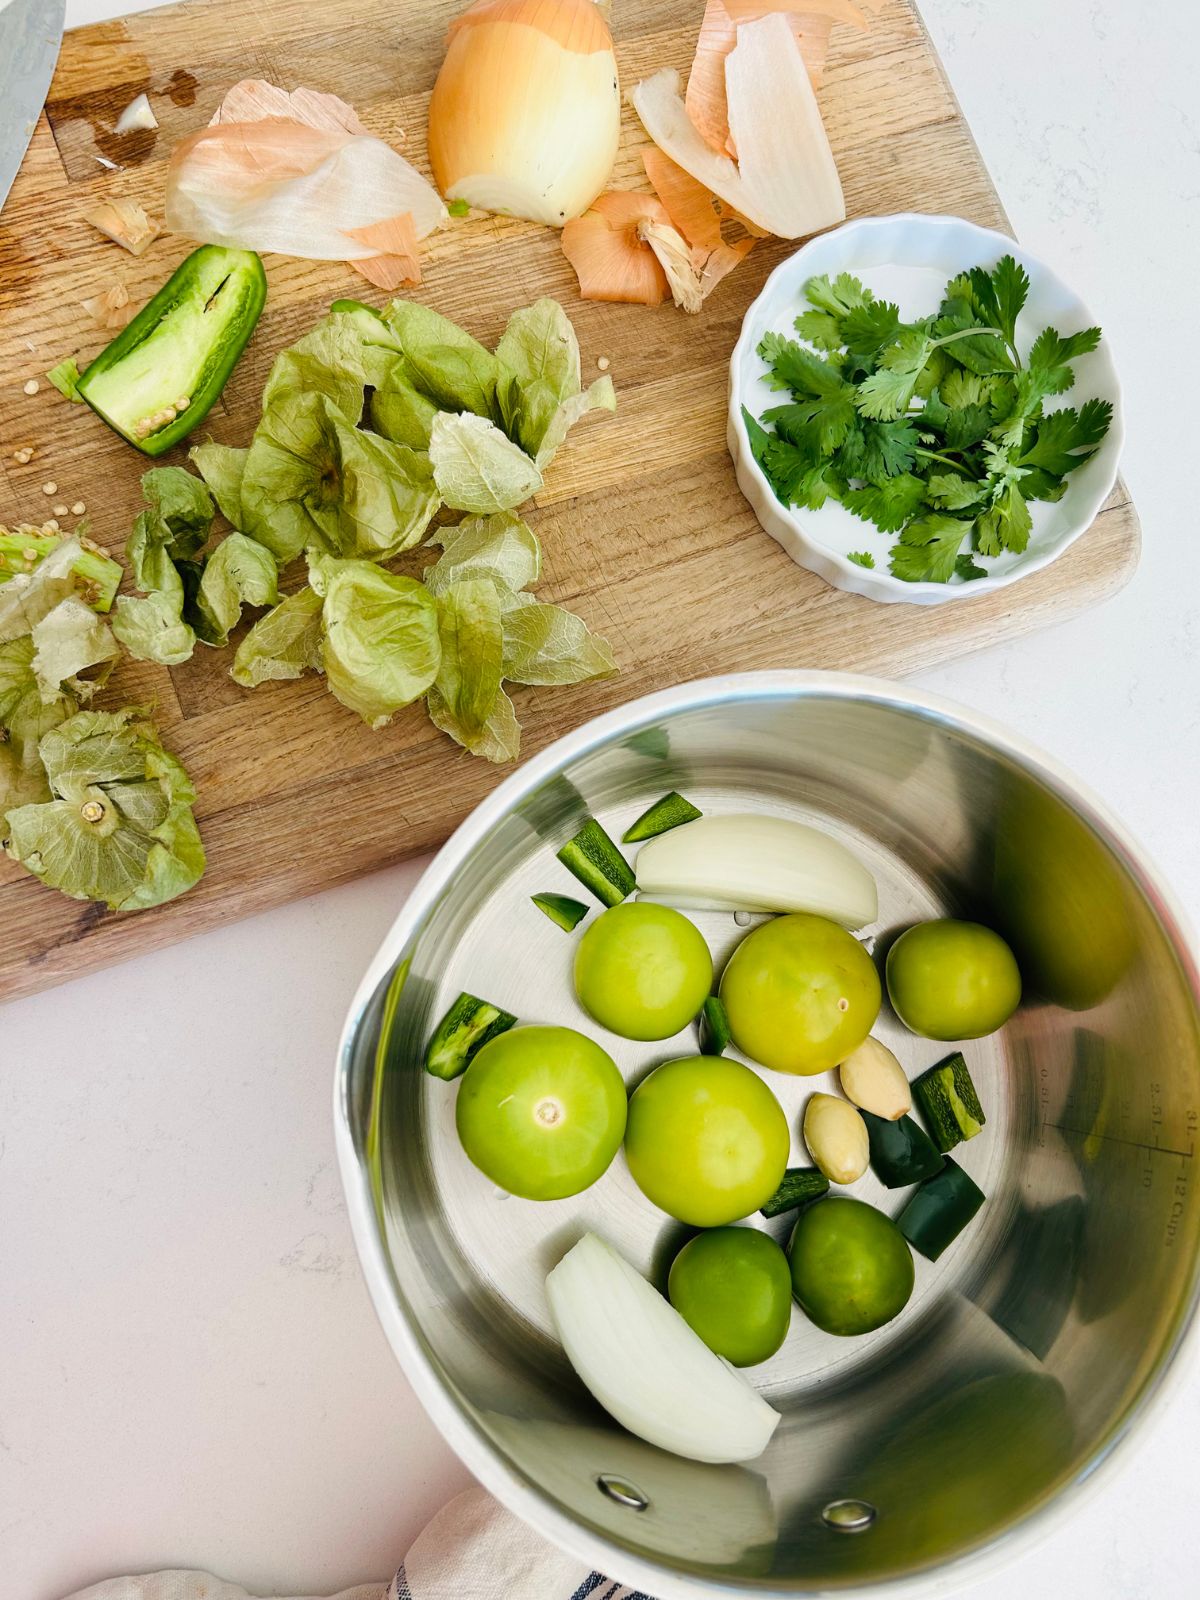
(836, 1137)
(873, 1078)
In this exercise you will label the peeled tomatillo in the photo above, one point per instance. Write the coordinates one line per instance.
(800, 993)
(707, 1141)
(642, 970)
(952, 980)
(541, 1111)
(733, 1287)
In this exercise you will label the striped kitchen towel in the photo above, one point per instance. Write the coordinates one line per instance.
(472, 1550)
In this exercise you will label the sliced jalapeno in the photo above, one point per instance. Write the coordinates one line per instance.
(163, 373)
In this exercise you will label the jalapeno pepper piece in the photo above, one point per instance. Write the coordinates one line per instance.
(163, 373)
(939, 1210)
(901, 1151)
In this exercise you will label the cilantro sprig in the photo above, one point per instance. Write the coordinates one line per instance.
(935, 430)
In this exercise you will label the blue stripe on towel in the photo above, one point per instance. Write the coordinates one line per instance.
(595, 1587)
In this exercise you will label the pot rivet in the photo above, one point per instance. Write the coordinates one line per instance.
(622, 1491)
(848, 1516)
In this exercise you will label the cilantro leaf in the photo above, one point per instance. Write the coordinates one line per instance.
(757, 434)
(796, 477)
(1001, 395)
(967, 426)
(1036, 384)
(825, 419)
(823, 402)
(1065, 439)
(866, 329)
(1005, 525)
(885, 394)
(821, 329)
(960, 389)
(838, 296)
(877, 450)
(1051, 350)
(1012, 291)
(1048, 371)
(889, 505)
(1041, 485)
(952, 492)
(982, 296)
(1009, 433)
(1002, 469)
(935, 412)
(1000, 295)
(960, 293)
(928, 548)
(795, 368)
(785, 464)
(966, 568)
(938, 367)
(982, 353)
(861, 558)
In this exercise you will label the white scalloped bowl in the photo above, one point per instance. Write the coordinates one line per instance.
(908, 259)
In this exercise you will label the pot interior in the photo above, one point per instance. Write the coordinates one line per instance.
(1025, 1350)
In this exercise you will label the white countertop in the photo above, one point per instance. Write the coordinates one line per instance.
(190, 1372)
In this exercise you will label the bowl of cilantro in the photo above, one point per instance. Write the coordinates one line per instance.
(899, 416)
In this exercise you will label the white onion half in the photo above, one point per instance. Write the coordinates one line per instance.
(526, 111)
(753, 862)
(646, 1367)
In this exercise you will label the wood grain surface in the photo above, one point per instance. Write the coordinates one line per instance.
(644, 530)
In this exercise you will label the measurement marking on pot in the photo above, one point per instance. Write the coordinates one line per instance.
(1134, 1144)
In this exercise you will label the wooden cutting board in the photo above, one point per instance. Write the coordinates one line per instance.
(644, 530)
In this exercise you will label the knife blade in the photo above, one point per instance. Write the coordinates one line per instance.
(30, 36)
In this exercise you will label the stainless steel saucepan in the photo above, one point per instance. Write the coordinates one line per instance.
(1027, 1353)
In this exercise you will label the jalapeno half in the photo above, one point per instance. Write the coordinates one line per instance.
(161, 376)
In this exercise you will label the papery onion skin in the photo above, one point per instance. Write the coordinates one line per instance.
(786, 180)
(526, 111)
(611, 259)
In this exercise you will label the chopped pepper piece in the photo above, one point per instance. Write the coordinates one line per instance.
(715, 1034)
(163, 373)
(661, 817)
(901, 1151)
(797, 1187)
(462, 1033)
(595, 860)
(949, 1103)
(939, 1210)
(561, 909)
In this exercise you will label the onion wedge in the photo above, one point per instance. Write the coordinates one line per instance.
(299, 174)
(757, 863)
(785, 180)
(525, 116)
(646, 1367)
